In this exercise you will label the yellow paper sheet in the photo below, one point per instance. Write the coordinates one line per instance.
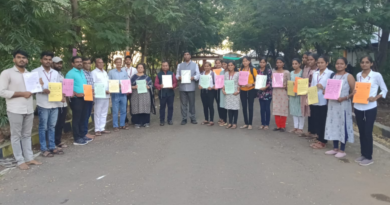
(55, 92)
(312, 95)
(113, 86)
(303, 85)
(290, 88)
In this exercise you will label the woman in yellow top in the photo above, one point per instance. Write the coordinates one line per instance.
(248, 92)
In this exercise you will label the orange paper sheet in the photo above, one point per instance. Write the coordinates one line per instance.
(88, 96)
(362, 93)
(296, 84)
(217, 71)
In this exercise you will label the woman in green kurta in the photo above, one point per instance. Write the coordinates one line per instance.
(295, 101)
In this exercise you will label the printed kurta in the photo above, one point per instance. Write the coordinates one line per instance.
(295, 101)
(307, 73)
(280, 97)
(142, 103)
(232, 102)
(340, 115)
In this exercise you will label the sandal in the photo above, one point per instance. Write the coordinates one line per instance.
(124, 128)
(266, 128)
(105, 132)
(229, 126)
(276, 129)
(205, 123)
(244, 127)
(98, 133)
(293, 130)
(261, 127)
(57, 151)
(234, 127)
(62, 145)
(250, 127)
(211, 124)
(47, 154)
(319, 145)
(221, 124)
(116, 129)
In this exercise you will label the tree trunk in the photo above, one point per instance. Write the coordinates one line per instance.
(75, 27)
(381, 56)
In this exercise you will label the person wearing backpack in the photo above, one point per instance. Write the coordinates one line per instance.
(207, 95)
(248, 92)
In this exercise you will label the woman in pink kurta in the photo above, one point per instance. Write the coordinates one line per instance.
(280, 97)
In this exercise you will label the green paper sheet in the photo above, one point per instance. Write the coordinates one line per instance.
(229, 86)
(141, 86)
(204, 81)
(100, 90)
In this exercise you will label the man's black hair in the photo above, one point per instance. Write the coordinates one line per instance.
(86, 59)
(21, 52)
(128, 57)
(47, 53)
(75, 57)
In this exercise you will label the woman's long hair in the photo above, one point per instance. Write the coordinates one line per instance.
(250, 63)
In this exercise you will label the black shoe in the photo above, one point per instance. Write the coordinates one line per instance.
(170, 122)
(162, 123)
(183, 122)
(194, 122)
(282, 130)
(276, 129)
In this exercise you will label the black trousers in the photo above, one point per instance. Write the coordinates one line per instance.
(222, 112)
(247, 101)
(166, 101)
(310, 124)
(207, 97)
(62, 111)
(365, 122)
(233, 115)
(318, 115)
(128, 106)
(78, 115)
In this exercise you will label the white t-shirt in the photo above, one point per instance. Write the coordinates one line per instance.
(321, 79)
(377, 82)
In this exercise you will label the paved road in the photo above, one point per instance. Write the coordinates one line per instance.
(199, 165)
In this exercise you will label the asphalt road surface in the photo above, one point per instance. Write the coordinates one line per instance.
(200, 165)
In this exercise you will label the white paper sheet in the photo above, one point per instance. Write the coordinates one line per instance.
(167, 81)
(185, 76)
(31, 80)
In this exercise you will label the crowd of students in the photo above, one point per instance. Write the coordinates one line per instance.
(327, 119)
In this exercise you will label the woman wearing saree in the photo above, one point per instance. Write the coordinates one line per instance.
(142, 104)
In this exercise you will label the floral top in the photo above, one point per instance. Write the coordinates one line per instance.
(267, 93)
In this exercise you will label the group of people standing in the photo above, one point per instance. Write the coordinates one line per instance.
(327, 119)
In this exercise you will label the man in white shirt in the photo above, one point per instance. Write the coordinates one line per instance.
(20, 110)
(99, 75)
(130, 72)
(62, 106)
(47, 111)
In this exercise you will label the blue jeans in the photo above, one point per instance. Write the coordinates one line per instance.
(119, 102)
(88, 109)
(265, 111)
(47, 124)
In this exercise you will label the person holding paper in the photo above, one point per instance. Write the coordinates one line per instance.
(142, 104)
(118, 100)
(339, 123)
(47, 111)
(295, 101)
(20, 109)
(310, 68)
(280, 97)
(131, 71)
(166, 93)
(265, 95)
(220, 97)
(99, 75)
(232, 101)
(88, 104)
(366, 113)
(187, 90)
(320, 109)
(77, 101)
(248, 92)
(207, 94)
(61, 106)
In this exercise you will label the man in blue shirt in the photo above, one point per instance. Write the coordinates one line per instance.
(77, 102)
(118, 100)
